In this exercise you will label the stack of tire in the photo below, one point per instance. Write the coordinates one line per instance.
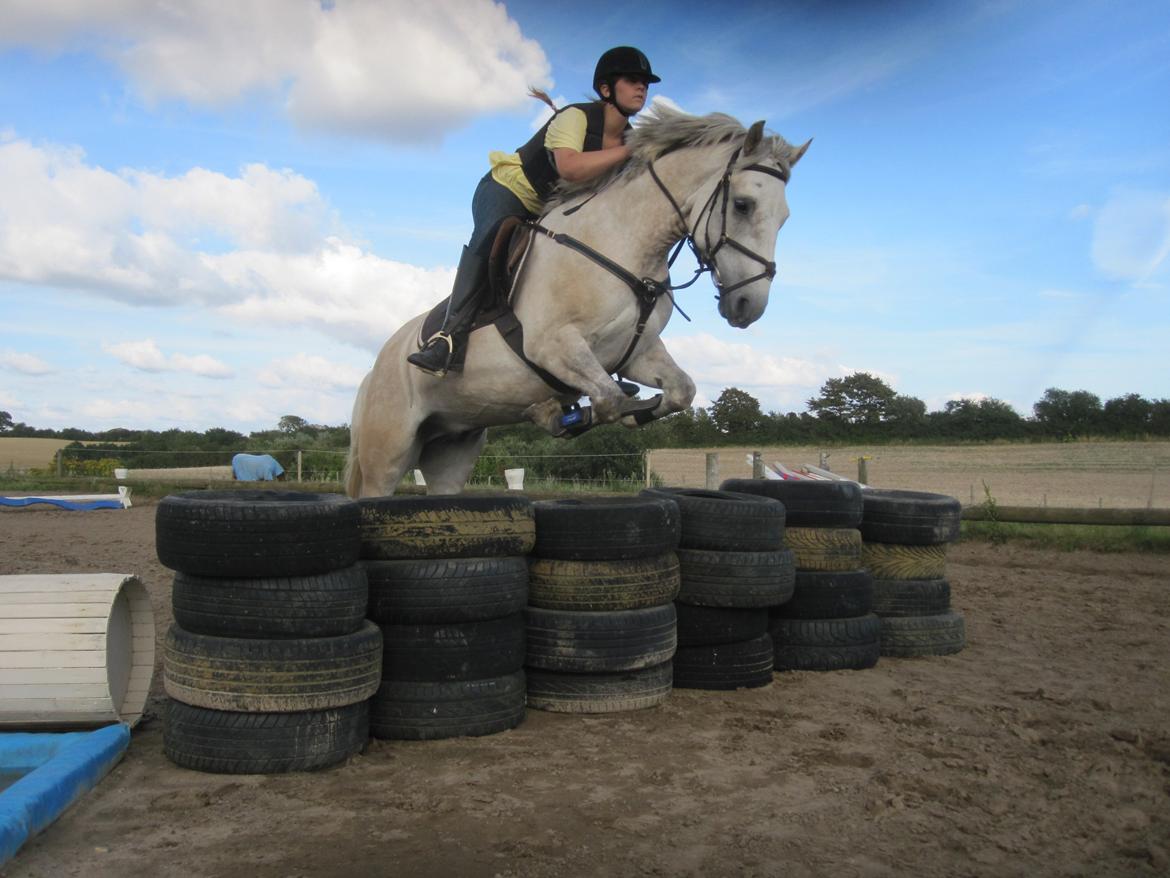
(906, 534)
(270, 662)
(733, 567)
(828, 624)
(601, 619)
(448, 579)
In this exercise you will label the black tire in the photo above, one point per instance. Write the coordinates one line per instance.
(910, 517)
(911, 597)
(606, 528)
(833, 595)
(744, 665)
(272, 676)
(707, 626)
(835, 549)
(427, 591)
(322, 605)
(826, 644)
(599, 693)
(726, 520)
(807, 503)
(227, 742)
(556, 584)
(743, 580)
(586, 643)
(455, 651)
(446, 527)
(408, 711)
(901, 561)
(907, 636)
(256, 533)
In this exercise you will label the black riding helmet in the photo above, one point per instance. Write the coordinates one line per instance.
(621, 61)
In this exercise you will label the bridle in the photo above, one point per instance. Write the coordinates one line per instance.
(647, 289)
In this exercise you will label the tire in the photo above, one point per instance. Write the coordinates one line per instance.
(826, 644)
(741, 580)
(407, 711)
(907, 636)
(911, 597)
(452, 652)
(910, 517)
(830, 595)
(894, 561)
(708, 626)
(446, 527)
(606, 528)
(725, 520)
(256, 533)
(807, 503)
(229, 742)
(586, 643)
(829, 549)
(744, 665)
(322, 605)
(425, 591)
(599, 693)
(555, 584)
(272, 676)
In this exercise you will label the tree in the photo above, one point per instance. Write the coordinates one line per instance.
(1068, 413)
(291, 424)
(859, 398)
(1128, 415)
(736, 412)
(5, 422)
(906, 415)
(979, 419)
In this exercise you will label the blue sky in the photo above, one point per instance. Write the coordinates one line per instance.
(213, 214)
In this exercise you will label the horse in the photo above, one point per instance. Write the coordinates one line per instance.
(592, 295)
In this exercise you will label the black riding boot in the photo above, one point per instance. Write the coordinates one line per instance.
(435, 356)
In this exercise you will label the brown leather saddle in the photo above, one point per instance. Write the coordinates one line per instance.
(511, 244)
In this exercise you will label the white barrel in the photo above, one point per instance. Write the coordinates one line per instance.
(76, 650)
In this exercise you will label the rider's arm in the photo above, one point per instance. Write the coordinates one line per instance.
(576, 166)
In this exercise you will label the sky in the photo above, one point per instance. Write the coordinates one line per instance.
(214, 214)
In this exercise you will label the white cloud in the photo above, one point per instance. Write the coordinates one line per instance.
(304, 370)
(146, 357)
(26, 364)
(256, 246)
(392, 69)
(1131, 235)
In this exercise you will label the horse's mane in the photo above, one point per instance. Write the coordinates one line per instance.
(664, 129)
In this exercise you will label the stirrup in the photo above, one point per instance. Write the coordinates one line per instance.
(415, 359)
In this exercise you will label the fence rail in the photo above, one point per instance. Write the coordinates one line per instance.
(1058, 515)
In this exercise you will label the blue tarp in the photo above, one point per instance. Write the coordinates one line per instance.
(256, 467)
(60, 768)
(84, 506)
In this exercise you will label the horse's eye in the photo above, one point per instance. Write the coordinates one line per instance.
(743, 206)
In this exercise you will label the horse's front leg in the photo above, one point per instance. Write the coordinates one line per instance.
(655, 367)
(567, 355)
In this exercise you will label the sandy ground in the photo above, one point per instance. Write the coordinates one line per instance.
(1043, 749)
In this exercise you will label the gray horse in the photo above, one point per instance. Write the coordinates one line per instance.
(592, 297)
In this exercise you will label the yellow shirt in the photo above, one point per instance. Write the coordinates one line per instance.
(566, 131)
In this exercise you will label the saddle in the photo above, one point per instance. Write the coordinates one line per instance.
(513, 239)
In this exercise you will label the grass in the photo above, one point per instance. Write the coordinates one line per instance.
(1072, 537)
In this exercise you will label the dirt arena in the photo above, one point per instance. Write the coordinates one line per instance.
(1043, 749)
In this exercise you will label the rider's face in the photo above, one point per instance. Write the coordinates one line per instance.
(630, 93)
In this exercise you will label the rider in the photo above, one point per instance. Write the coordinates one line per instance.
(580, 142)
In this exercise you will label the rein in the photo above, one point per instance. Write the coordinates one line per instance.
(647, 290)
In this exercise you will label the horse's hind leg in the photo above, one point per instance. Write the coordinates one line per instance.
(447, 461)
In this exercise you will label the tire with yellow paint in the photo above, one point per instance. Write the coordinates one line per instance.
(446, 527)
(825, 548)
(274, 676)
(557, 584)
(896, 561)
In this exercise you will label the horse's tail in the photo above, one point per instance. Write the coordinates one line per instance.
(352, 476)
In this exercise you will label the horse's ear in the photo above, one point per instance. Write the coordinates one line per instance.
(755, 134)
(798, 152)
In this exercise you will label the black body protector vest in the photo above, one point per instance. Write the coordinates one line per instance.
(537, 162)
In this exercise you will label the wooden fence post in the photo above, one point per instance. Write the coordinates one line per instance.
(862, 471)
(757, 465)
(713, 470)
(60, 462)
(298, 465)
